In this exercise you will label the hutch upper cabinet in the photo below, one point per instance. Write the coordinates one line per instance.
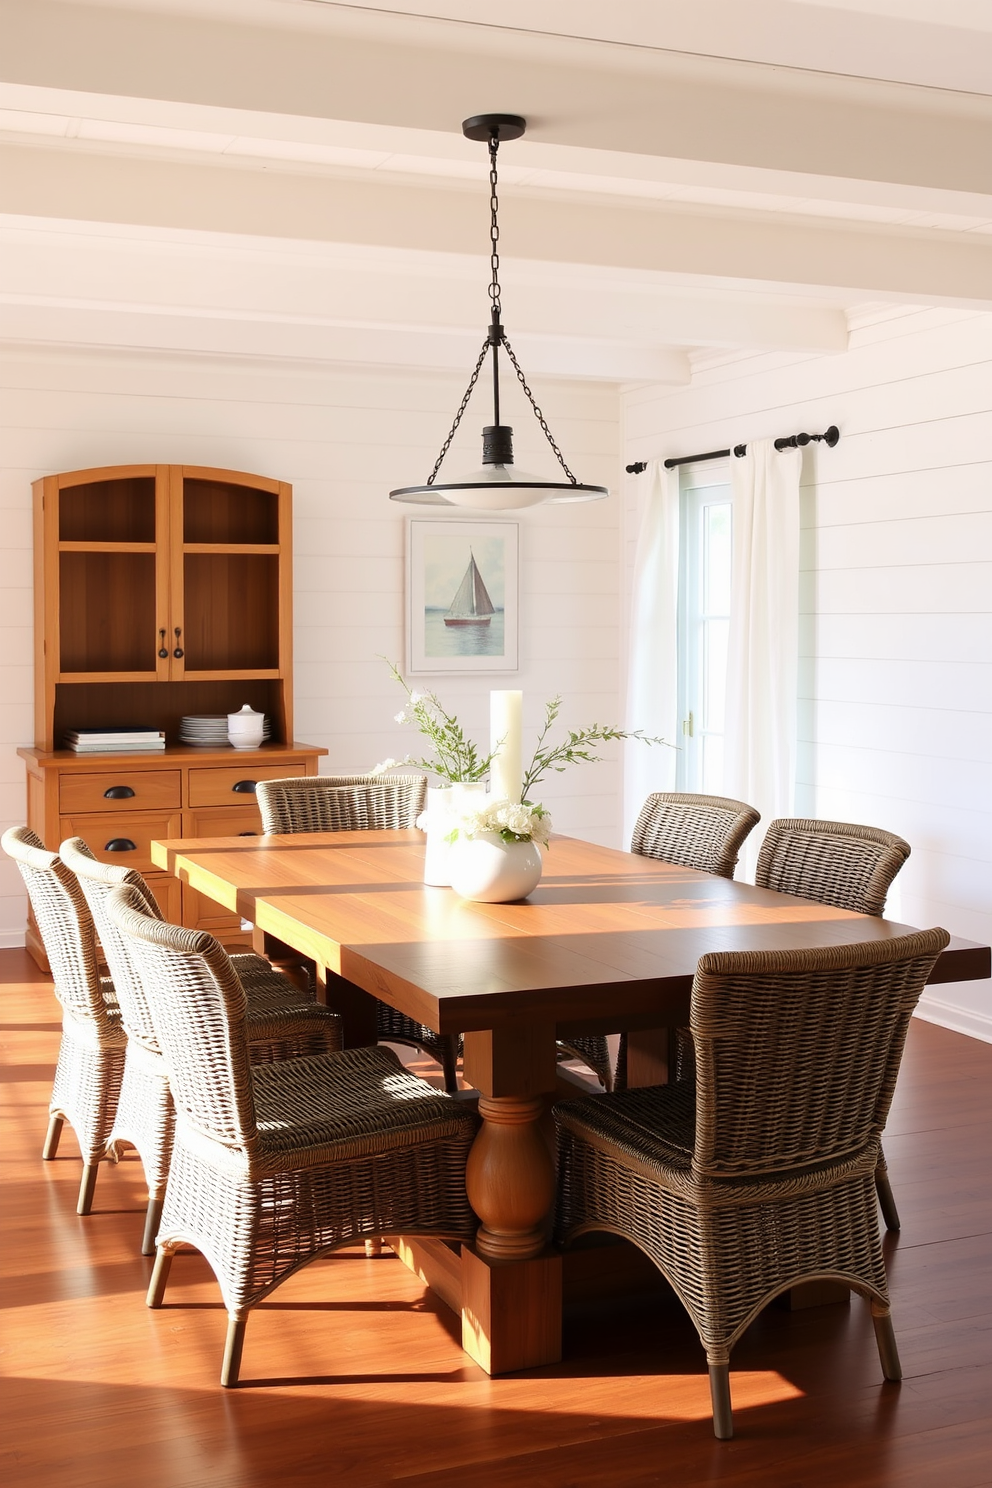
(160, 591)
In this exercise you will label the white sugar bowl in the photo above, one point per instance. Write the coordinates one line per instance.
(245, 729)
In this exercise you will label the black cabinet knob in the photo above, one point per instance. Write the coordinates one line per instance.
(120, 844)
(118, 793)
(245, 787)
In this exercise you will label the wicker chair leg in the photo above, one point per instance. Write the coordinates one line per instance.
(373, 1247)
(449, 1062)
(86, 1186)
(886, 1201)
(160, 1275)
(886, 1340)
(723, 1420)
(153, 1215)
(233, 1349)
(51, 1146)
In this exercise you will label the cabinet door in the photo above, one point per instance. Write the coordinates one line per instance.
(230, 575)
(106, 537)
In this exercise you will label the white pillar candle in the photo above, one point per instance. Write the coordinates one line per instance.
(505, 741)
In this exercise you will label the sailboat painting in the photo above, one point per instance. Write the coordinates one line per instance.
(462, 582)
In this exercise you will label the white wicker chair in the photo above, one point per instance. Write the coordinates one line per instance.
(281, 1023)
(277, 1164)
(91, 1055)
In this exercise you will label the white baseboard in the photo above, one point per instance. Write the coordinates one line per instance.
(10, 940)
(959, 1019)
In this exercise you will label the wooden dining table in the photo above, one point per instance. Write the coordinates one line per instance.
(607, 941)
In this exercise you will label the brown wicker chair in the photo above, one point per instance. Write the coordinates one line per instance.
(277, 1164)
(356, 803)
(760, 1174)
(848, 866)
(281, 1023)
(91, 1055)
(692, 831)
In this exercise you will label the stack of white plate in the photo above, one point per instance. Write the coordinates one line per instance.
(209, 730)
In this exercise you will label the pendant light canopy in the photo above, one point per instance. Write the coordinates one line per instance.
(498, 486)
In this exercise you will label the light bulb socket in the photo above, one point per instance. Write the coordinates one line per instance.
(497, 444)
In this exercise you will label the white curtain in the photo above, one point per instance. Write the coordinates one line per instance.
(652, 691)
(763, 653)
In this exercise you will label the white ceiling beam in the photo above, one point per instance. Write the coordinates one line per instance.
(867, 260)
(209, 275)
(58, 323)
(576, 93)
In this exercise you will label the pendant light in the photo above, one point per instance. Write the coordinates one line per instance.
(498, 486)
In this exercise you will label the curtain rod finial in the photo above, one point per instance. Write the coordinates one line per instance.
(636, 468)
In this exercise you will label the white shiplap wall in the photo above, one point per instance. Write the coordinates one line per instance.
(342, 438)
(895, 686)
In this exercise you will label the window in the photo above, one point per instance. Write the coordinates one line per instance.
(703, 624)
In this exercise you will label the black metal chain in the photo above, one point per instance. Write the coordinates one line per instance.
(494, 289)
(497, 336)
(537, 412)
(461, 409)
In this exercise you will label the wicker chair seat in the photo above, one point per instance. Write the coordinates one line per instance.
(652, 1130)
(343, 1107)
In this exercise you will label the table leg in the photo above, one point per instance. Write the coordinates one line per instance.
(511, 1280)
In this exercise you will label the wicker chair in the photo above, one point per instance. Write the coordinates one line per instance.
(760, 1174)
(91, 1055)
(848, 866)
(281, 1023)
(704, 832)
(356, 803)
(277, 1164)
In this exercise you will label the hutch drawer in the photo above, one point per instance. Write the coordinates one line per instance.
(127, 841)
(237, 784)
(121, 790)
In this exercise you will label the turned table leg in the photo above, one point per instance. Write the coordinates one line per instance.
(511, 1280)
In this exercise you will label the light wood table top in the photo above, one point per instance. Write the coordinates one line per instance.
(607, 937)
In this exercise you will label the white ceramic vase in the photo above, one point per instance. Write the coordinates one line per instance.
(443, 803)
(491, 871)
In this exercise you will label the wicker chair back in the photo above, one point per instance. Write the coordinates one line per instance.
(98, 881)
(341, 803)
(66, 930)
(198, 1007)
(771, 1032)
(703, 832)
(835, 863)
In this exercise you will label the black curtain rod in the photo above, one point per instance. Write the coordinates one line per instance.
(793, 441)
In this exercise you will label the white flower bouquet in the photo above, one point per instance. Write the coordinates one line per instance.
(511, 820)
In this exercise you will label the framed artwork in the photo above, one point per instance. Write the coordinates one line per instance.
(462, 587)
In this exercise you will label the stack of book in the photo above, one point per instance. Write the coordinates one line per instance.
(114, 740)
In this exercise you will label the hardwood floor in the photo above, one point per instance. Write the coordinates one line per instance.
(355, 1374)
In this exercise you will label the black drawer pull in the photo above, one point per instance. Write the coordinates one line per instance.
(247, 834)
(245, 787)
(118, 793)
(120, 844)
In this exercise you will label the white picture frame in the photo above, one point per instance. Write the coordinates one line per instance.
(456, 570)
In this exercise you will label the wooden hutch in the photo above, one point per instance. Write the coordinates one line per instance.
(160, 591)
